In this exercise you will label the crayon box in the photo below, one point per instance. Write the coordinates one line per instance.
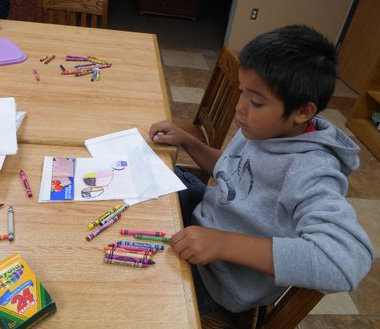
(23, 299)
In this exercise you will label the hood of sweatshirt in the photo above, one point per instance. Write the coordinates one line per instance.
(327, 138)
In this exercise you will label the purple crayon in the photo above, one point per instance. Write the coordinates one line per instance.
(139, 244)
(131, 259)
(94, 233)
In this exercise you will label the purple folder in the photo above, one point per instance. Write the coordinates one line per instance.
(10, 53)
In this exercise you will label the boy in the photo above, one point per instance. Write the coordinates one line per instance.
(278, 216)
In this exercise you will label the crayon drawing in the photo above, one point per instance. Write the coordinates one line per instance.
(98, 181)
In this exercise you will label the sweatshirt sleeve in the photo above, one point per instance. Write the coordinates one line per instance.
(330, 252)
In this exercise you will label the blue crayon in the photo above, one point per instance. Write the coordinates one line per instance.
(139, 244)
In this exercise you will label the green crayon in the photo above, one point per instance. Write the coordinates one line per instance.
(153, 238)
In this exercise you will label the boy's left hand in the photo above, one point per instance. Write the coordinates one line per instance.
(198, 245)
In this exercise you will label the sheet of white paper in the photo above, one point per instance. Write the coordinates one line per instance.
(103, 178)
(121, 143)
(8, 135)
(19, 118)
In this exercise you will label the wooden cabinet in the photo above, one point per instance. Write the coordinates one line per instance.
(360, 49)
(360, 122)
(360, 69)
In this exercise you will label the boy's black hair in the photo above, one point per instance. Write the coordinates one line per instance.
(298, 64)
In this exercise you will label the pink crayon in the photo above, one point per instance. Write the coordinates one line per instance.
(94, 233)
(136, 248)
(128, 254)
(150, 233)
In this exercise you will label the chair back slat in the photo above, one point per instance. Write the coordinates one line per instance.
(73, 19)
(83, 19)
(217, 108)
(66, 12)
(62, 17)
(51, 16)
(94, 20)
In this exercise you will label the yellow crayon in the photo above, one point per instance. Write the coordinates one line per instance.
(99, 219)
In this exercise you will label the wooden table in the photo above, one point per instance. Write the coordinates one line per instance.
(66, 110)
(89, 293)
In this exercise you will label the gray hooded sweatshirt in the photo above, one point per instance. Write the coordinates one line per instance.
(292, 190)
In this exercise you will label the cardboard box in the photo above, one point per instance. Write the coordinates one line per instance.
(23, 299)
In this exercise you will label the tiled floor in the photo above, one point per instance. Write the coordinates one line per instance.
(187, 73)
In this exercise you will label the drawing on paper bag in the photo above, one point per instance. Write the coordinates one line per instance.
(98, 181)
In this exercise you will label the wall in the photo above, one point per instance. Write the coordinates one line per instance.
(326, 16)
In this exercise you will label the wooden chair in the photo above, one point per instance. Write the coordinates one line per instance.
(216, 110)
(289, 310)
(286, 313)
(74, 12)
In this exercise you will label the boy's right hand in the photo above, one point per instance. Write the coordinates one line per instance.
(167, 132)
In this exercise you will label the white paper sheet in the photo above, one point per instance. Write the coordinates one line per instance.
(95, 179)
(8, 137)
(19, 118)
(122, 142)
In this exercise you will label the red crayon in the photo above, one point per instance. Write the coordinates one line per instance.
(123, 250)
(150, 233)
(26, 184)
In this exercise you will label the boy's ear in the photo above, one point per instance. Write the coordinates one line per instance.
(306, 112)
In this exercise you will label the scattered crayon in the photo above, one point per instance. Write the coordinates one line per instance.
(4, 237)
(94, 74)
(49, 59)
(76, 59)
(109, 212)
(151, 233)
(132, 248)
(153, 238)
(62, 67)
(117, 212)
(26, 184)
(120, 262)
(10, 224)
(124, 250)
(79, 74)
(84, 65)
(139, 244)
(94, 233)
(131, 259)
(127, 254)
(36, 75)
(44, 58)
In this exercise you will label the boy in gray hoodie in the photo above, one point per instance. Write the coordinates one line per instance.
(278, 216)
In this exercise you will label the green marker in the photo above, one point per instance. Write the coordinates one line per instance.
(153, 238)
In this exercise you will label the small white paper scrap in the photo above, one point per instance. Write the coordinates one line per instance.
(8, 135)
